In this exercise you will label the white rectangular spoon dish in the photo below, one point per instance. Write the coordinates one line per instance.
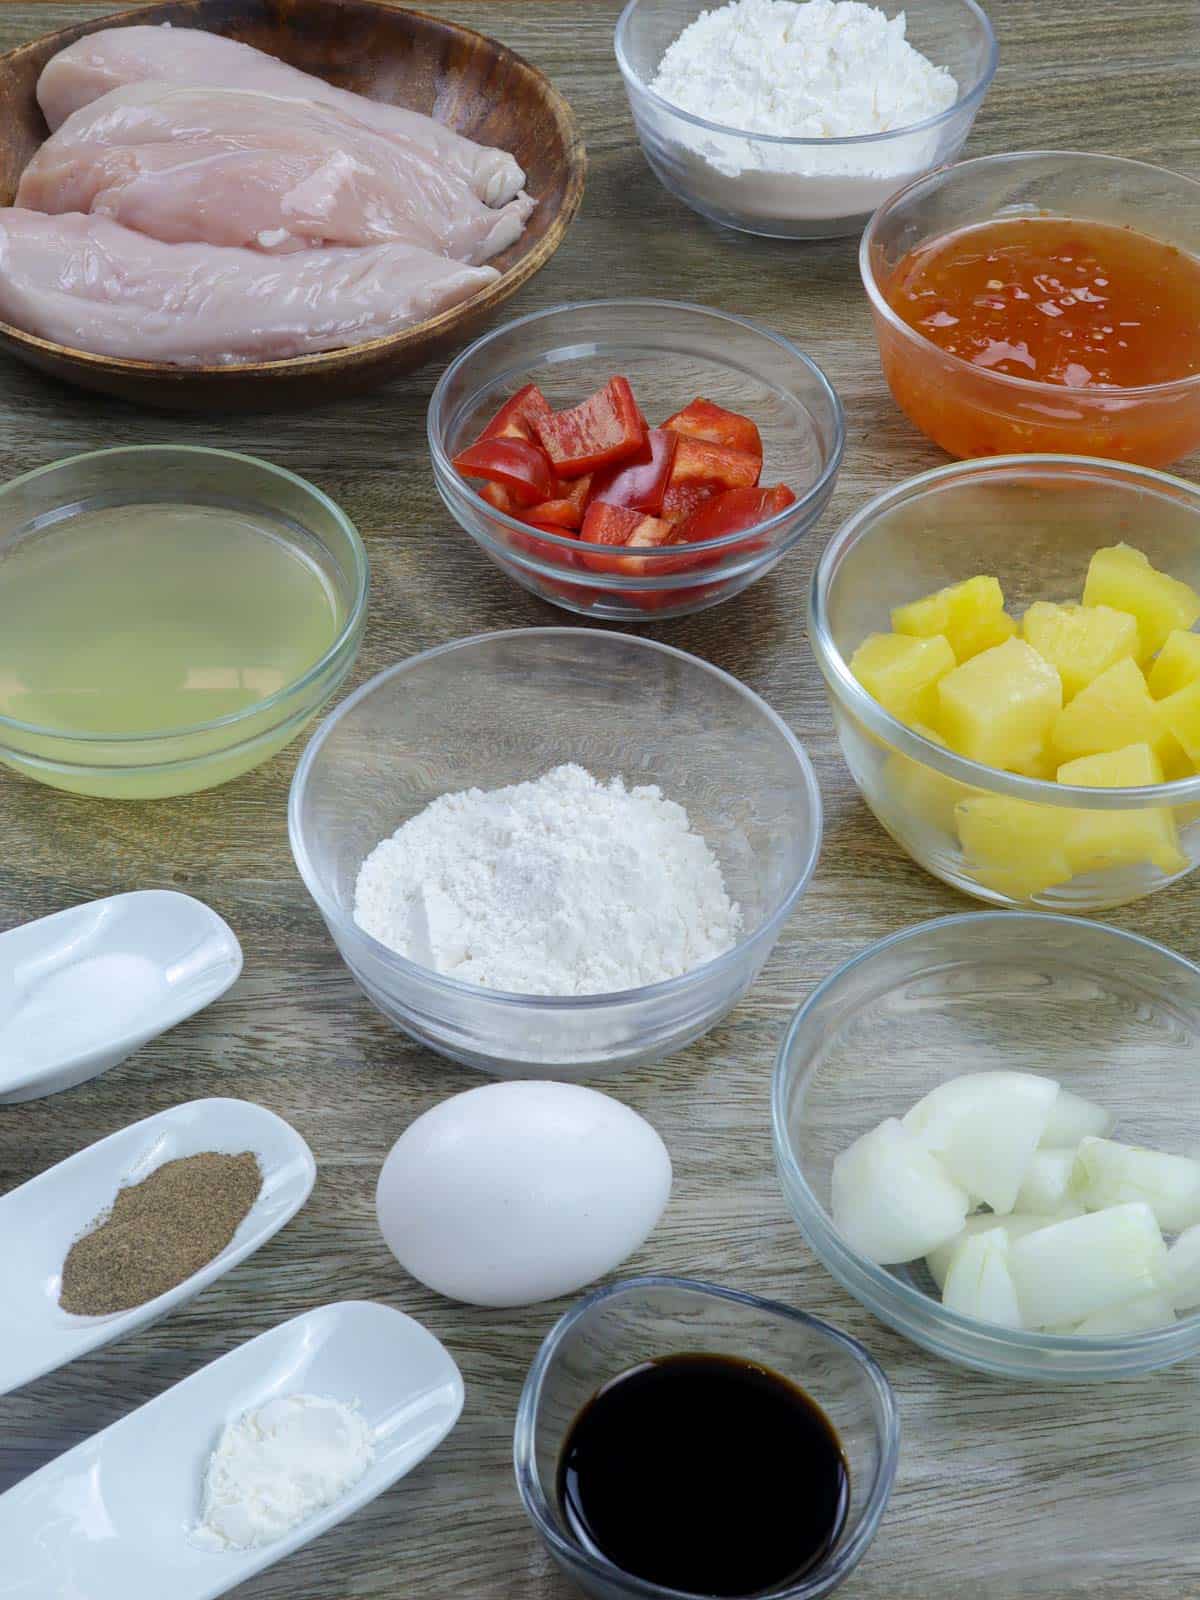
(41, 1220)
(112, 1519)
(86, 987)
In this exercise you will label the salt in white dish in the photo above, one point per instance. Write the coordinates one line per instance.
(86, 987)
(112, 1519)
(41, 1220)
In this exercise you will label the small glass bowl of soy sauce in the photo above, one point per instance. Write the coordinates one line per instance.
(675, 1440)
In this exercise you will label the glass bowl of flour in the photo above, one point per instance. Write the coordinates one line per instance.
(796, 119)
(555, 852)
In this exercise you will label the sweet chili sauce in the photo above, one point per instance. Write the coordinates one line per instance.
(1089, 309)
(1057, 301)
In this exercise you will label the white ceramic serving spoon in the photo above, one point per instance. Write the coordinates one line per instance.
(111, 1519)
(83, 989)
(41, 1220)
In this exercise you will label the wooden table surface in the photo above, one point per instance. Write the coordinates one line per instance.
(1006, 1490)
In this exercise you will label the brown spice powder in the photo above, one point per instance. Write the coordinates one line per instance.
(159, 1232)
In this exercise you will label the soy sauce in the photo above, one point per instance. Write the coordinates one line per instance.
(706, 1474)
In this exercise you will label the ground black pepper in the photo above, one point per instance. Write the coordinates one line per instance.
(158, 1232)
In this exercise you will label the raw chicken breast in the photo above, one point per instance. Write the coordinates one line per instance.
(88, 283)
(106, 60)
(227, 166)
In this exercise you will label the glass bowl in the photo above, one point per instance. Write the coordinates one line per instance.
(1034, 522)
(140, 766)
(970, 411)
(799, 188)
(670, 354)
(1112, 1016)
(642, 1319)
(502, 708)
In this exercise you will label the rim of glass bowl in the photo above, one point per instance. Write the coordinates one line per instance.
(968, 100)
(821, 1579)
(572, 1002)
(873, 1283)
(1026, 386)
(360, 578)
(847, 689)
(437, 427)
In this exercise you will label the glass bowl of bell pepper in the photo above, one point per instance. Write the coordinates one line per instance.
(630, 459)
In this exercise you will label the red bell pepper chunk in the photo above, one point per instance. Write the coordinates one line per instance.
(681, 499)
(732, 511)
(704, 420)
(515, 464)
(698, 461)
(566, 510)
(618, 525)
(609, 524)
(640, 481)
(606, 427)
(516, 417)
(500, 499)
(725, 513)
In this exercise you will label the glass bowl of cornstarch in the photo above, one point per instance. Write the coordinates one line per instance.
(514, 837)
(796, 119)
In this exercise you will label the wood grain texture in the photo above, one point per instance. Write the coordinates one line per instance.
(477, 85)
(1003, 1491)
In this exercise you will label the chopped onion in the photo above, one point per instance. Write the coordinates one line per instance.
(979, 1283)
(1073, 1118)
(1183, 1270)
(984, 1127)
(1046, 1186)
(891, 1200)
(1014, 1225)
(1110, 1174)
(1131, 1316)
(1071, 1269)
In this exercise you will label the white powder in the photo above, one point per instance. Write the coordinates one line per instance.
(278, 1465)
(561, 886)
(819, 70)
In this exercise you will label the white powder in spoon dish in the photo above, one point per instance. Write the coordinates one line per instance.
(562, 886)
(821, 69)
(277, 1466)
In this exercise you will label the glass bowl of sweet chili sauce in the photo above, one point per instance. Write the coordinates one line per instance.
(1046, 301)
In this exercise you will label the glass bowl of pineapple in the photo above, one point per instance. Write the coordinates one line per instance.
(1008, 648)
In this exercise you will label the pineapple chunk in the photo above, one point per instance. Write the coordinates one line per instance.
(903, 673)
(1177, 664)
(1082, 642)
(1014, 846)
(1123, 578)
(970, 615)
(1114, 710)
(1100, 839)
(998, 708)
(1179, 714)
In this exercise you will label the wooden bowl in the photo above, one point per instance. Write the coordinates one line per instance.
(472, 82)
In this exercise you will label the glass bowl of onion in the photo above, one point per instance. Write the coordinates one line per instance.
(1045, 1062)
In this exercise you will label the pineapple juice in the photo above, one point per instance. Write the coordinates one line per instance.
(129, 621)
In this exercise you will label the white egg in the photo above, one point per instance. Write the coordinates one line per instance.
(521, 1191)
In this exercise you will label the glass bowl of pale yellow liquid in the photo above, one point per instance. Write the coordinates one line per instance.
(170, 617)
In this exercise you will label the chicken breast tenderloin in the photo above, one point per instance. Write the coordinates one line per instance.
(234, 167)
(113, 57)
(89, 283)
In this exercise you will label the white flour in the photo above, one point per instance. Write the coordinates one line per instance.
(278, 1465)
(561, 886)
(818, 70)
